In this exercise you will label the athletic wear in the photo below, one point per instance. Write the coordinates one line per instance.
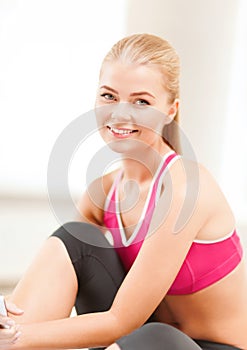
(97, 266)
(206, 262)
(160, 336)
(128, 249)
(99, 275)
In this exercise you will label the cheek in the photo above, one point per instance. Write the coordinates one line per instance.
(103, 131)
(100, 119)
(102, 114)
(151, 119)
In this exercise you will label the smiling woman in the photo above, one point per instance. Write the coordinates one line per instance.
(165, 281)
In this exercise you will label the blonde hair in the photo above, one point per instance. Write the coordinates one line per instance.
(148, 49)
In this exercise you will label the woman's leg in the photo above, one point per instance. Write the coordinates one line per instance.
(155, 336)
(160, 336)
(97, 266)
(76, 266)
(48, 288)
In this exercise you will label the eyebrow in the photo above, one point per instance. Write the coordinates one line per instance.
(138, 93)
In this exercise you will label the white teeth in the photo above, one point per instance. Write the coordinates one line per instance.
(121, 131)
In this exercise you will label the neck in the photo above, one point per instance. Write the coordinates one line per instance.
(143, 165)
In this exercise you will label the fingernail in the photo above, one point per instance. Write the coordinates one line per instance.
(17, 309)
(10, 323)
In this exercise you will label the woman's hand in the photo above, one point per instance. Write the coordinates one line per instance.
(9, 331)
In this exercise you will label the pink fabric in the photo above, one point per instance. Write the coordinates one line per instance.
(205, 263)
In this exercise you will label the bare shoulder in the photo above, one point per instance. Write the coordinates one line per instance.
(203, 189)
(210, 189)
(91, 204)
(221, 219)
(190, 172)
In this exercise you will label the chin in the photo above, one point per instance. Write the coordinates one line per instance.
(126, 146)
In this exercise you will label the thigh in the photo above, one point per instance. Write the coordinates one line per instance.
(157, 336)
(97, 266)
(48, 288)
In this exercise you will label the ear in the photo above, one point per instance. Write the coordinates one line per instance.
(173, 109)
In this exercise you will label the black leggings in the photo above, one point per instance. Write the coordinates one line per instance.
(99, 274)
(160, 336)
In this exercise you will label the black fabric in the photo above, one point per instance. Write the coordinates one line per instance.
(98, 269)
(97, 266)
(159, 336)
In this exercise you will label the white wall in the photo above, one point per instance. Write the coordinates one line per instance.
(51, 51)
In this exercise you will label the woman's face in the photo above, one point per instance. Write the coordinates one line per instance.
(132, 105)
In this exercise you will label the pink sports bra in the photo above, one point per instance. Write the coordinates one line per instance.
(206, 262)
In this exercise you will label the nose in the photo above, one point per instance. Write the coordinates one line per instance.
(122, 112)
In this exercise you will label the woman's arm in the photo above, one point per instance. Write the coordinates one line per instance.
(89, 330)
(91, 203)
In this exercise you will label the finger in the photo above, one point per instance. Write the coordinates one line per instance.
(8, 335)
(13, 309)
(6, 322)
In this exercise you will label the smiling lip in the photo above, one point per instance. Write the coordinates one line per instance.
(121, 132)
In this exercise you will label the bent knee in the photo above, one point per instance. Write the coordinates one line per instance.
(158, 327)
(157, 335)
(74, 231)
